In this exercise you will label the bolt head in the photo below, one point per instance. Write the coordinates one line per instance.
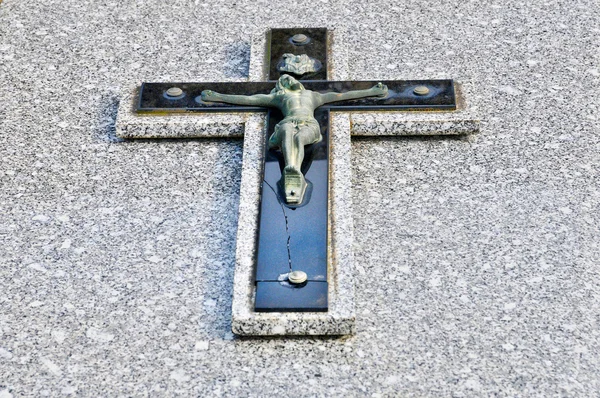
(174, 92)
(297, 277)
(300, 38)
(421, 90)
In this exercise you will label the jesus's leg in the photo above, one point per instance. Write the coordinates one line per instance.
(292, 152)
(307, 134)
(292, 180)
(291, 137)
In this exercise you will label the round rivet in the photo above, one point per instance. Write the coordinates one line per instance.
(297, 277)
(421, 90)
(299, 38)
(174, 92)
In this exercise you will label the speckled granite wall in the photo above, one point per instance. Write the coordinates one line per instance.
(340, 316)
(476, 260)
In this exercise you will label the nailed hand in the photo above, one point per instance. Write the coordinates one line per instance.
(380, 90)
(207, 94)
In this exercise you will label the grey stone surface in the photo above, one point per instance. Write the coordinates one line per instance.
(465, 120)
(132, 125)
(476, 261)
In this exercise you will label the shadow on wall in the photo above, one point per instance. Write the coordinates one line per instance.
(238, 60)
(105, 130)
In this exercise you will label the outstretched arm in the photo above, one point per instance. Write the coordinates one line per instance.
(378, 90)
(251, 100)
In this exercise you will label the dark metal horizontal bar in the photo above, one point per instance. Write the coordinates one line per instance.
(401, 97)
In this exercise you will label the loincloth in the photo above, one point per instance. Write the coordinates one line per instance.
(308, 127)
(298, 121)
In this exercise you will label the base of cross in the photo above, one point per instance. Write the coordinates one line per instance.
(249, 316)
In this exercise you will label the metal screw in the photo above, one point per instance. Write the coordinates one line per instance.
(174, 92)
(297, 277)
(421, 90)
(299, 38)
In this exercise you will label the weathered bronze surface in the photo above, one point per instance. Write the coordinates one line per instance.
(299, 64)
(298, 127)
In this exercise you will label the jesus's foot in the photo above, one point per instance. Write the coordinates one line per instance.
(294, 185)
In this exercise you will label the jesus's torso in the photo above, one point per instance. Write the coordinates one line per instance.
(299, 103)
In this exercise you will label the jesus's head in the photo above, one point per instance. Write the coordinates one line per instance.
(287, 83)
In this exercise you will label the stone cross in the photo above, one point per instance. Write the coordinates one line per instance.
(293, 260)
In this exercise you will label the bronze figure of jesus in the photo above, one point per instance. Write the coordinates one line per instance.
(298, 127)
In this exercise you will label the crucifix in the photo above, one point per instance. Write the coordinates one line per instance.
(291, 267)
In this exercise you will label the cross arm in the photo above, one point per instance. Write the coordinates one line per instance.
(346, 95)
(250, 100)
(378, 90)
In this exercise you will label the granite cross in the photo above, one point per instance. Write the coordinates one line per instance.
(291, 265)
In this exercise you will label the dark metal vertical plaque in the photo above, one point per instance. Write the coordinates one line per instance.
(294, 237)
(303, 228)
